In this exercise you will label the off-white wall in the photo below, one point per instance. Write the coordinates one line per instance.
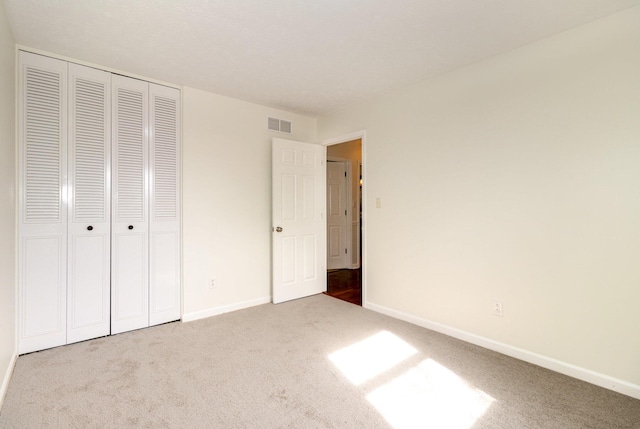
(7, 203)
(515, 179)
(227, 200)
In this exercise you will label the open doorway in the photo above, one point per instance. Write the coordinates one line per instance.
(344, 221)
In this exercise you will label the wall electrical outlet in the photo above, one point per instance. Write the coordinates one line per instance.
(498, 309)
(213, 284)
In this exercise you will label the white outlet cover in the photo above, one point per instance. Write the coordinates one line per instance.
(498, 308)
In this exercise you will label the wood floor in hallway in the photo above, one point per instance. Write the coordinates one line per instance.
(345, 285)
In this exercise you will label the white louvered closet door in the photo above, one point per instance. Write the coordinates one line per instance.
(129, 253)
(88, 280)
(164, 239)
(42, 242)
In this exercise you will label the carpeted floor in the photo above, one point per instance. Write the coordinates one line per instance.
(312, 363)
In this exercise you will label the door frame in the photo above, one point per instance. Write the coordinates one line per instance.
(344, 138)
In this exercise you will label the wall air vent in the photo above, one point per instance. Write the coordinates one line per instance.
(280, 125)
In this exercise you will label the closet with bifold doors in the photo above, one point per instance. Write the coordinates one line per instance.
(99, 203)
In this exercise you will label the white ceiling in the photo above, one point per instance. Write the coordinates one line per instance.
(307, 56)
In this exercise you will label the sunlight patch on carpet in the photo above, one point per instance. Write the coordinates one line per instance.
(371, 357)
(430, 395)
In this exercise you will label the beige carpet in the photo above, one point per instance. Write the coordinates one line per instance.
(312, 363)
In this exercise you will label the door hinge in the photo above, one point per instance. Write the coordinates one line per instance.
(345, 174)
(345, 251)
(345, 212)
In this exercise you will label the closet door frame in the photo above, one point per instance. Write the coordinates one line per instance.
(75, 272)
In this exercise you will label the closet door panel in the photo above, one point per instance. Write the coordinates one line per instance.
(87, 285)
(42, 292)
(129, 256)
(165, 277)
(42, 215)
(164, 245)
(88, 282)
(130, 297)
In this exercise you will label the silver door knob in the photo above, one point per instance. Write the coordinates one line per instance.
(278, 229)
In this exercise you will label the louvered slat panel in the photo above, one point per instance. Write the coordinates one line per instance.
(165, 156)
(130, 162)
(42, 187)
(90, 186)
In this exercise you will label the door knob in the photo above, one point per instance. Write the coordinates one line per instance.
(130, 226)
(89, 228)
(278, 229)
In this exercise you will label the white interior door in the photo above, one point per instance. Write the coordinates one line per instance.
(88, 279)
(129, 247)
(336, 215)
(42, 232)
(299, 224)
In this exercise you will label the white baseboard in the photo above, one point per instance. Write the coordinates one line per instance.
(565, 368)
(190, 317)
(7, 377)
